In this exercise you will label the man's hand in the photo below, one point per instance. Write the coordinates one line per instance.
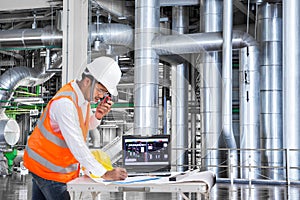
(115, 174)
(103, 108)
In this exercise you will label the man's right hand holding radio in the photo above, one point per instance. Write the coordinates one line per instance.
(103, 107)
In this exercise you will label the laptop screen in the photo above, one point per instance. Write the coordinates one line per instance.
(146, 154)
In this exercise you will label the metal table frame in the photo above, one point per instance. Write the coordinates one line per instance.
(86, 184)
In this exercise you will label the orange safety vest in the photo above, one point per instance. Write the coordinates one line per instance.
(47, 154)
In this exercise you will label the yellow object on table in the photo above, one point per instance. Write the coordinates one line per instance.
(103, 158)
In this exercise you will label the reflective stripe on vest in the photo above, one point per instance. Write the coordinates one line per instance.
(70, 94)
(51, 166)
(53, 138)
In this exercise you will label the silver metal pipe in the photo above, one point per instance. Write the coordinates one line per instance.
(291, 84)
(270, 38)
(180, 25)
(227, 85)
(30, 37)
(117, 8)
(113, 34)
(179, 2)
(110, 34)
(209, 65)
(193, 114)
(146, 68)
(14, 77)
(249, 112)
(198, 42)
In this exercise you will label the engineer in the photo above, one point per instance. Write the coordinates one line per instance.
(57, 147)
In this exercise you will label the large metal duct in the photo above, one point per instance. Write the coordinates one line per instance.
(291, 84)
(198, 42)
(249, 112)
(113, 34)
(146, 68)
(209, 65)
(109, 34)
(18, 76)
(179, 2)
(117, 8)
(30, 37)
(180, 26)
(270, 38)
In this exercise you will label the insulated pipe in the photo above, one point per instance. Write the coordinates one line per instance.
(249, 112)
(194, 101)
(270, 37)
(166, 99)
(30, 37)
(113, 34)
(198, 42)
(146, 68)
(179, 2)
(179, 24)
(291, 83)
(14, 77)
(117, 8)
(209, 65)
(227, 87)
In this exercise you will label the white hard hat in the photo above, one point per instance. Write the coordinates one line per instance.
(106, 71)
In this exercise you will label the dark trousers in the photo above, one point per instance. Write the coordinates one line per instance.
(43, 189)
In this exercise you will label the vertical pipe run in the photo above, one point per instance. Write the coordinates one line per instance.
(227, 82)
(179, 25)
(166, 99)
(209, 66)
(249, 112)
(270, 39)
(193, 114)
(291, 82)
(146, 68)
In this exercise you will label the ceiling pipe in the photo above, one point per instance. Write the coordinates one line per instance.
(198, 42)
(117, 8)
(179, 2)
(25, 38)
(113, 34)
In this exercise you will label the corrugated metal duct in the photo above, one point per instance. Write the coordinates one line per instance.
(17, 76)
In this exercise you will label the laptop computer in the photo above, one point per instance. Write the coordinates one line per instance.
(147, 155)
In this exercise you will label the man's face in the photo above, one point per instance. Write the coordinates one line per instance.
(99, 92)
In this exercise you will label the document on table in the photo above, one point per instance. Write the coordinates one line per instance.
(134, 180)
(206, 177)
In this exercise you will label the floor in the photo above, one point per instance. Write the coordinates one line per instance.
(17, 187)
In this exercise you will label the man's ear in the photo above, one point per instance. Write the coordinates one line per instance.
(87, 82)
